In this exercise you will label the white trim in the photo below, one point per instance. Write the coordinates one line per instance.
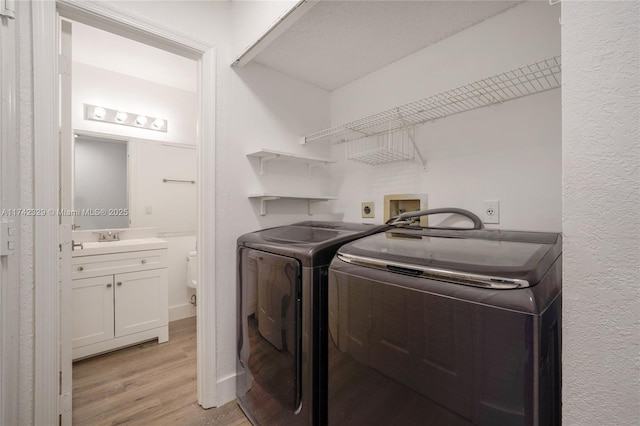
(159, 333)
(65, 225)
(45, 147)
(9, 281)
(226, 388)
(178, 312)
(132, 27)
(207, 357)
(45, 39)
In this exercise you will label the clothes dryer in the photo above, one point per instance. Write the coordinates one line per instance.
(282, 316)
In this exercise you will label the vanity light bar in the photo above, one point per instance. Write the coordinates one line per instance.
(108, 115)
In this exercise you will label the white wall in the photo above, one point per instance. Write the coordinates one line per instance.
(509, 152)
(601, 213)
(173, 206)
(173, 209)
(179, 293)
(112, 52)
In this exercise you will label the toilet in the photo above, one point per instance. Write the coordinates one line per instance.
(192, 269)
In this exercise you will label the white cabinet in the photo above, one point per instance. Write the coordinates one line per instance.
(92, 310)
(119, 299)
(140, 301)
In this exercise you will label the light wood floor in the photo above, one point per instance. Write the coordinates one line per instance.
(147, 384)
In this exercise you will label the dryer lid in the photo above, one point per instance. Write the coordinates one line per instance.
(497, 259)
(313, 243)
(295, 234)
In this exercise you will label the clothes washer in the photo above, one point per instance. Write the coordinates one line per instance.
(445, 327)
(281, 324)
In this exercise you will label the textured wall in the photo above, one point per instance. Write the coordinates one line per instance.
(25, 132)
(601, 212)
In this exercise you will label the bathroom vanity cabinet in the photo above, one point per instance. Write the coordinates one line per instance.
(120, 298)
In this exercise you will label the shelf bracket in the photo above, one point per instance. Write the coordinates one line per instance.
(266, 159)
(263, 204)
(309, 206)
(310, 166)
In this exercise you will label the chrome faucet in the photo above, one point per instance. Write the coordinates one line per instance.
(110, 235)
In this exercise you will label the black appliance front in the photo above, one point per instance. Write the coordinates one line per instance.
(270, 350)
(282, 286)
(432, 327)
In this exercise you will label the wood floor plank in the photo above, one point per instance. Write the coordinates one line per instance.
(147, 384)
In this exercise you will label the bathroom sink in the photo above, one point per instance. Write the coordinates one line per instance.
(120, 246)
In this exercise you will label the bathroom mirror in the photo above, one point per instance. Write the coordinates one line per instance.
(100, 188)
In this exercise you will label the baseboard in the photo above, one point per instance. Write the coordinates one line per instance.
(179, 312)
(226, 390)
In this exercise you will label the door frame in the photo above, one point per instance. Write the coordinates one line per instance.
(9, 263)
(46, 34)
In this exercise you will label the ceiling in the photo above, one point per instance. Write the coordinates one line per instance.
(337, 42)
(332, 44)
(105, 50)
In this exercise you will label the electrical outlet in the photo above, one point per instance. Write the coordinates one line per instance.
(368, 209)
(491, 211)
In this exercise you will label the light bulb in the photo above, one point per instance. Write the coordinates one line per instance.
(99, 113)
(158, 123)
(141, 120)
(121, 116)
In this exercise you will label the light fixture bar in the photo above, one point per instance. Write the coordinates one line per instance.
(125, 118)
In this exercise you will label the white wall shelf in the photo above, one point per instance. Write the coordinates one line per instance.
(523, 81)
(265, 197)
(266, 155)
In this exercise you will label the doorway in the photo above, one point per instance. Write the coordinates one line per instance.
(48, 396)
(144, 174)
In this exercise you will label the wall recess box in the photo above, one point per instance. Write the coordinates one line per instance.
(395, 204)
(368, 209)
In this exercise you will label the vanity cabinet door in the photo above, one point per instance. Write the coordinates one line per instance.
(141, 301)
(92, 310)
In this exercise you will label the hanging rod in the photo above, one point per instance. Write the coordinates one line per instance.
(178, 181)
(523, 81)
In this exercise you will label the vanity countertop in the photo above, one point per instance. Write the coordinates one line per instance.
(120, 246)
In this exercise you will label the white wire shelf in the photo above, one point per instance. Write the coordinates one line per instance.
(384, 148)
(523, 81)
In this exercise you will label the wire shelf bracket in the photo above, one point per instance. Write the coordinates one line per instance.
(412, 138)
(527, 80)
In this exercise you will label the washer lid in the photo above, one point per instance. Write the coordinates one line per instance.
(496, 259)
